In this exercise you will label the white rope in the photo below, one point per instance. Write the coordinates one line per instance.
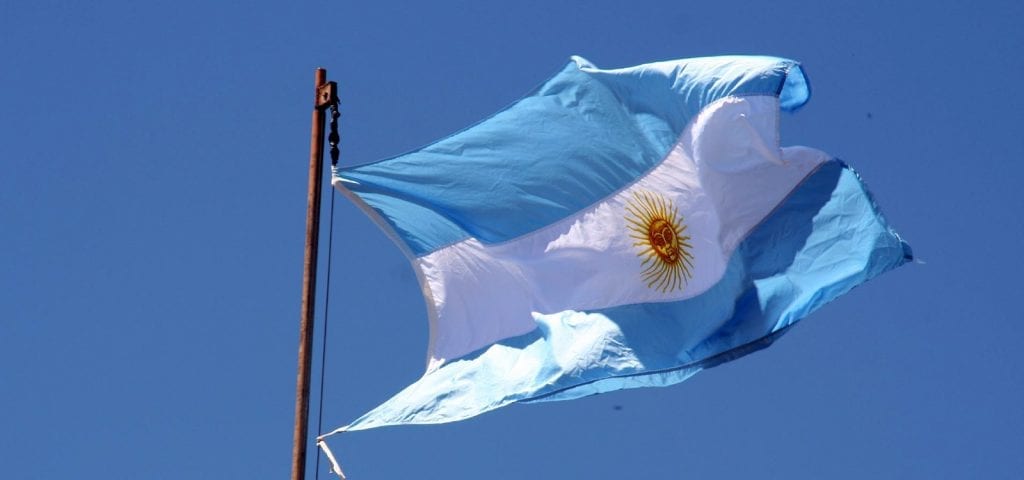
(335, 467)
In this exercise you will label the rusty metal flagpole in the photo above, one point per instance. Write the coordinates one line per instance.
(326, 94)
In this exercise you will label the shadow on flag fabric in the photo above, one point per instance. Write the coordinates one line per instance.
(617, 229)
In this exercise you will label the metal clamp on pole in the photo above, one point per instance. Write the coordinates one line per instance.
(326, 95)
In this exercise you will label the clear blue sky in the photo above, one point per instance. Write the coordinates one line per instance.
(152, 199)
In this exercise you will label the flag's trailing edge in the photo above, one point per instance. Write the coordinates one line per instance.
(617, 229)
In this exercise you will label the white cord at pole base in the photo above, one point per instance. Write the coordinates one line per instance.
(335, 467)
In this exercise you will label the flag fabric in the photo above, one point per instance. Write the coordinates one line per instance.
(617, 229)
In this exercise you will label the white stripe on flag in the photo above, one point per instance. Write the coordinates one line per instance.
(724, 176)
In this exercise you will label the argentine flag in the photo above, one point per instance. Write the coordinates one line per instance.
(617, 229)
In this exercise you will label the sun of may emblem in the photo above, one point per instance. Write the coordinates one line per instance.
(657, 229)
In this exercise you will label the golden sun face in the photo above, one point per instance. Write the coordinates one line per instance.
(657, 230)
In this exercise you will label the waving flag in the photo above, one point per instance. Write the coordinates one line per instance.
(617, 229)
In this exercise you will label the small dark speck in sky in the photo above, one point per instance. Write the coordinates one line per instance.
(870, 116)
(617, 407)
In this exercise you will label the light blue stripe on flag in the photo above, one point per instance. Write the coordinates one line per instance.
(594, 130)
(824, 239)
